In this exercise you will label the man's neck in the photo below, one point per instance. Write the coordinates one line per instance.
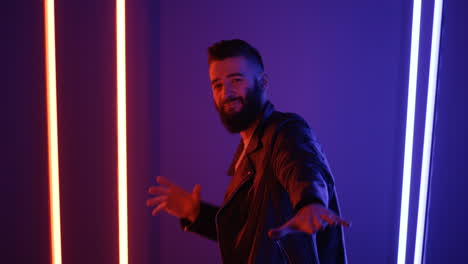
(246, 134)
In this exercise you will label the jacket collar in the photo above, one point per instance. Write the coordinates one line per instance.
(255, 141)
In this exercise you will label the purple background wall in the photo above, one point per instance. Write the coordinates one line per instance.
(343, 66)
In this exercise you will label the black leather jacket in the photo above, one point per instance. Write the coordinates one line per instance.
(283, 170)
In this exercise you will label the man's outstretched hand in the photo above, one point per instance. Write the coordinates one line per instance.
(310, 219)
(174, 200)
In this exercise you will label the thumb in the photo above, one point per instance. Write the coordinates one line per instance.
(277, 233)
(196, 192)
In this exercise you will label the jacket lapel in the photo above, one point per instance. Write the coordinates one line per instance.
(232, 167)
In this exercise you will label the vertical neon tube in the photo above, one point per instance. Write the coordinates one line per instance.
(428, 128)
(410, 117)
(51, 79)
(122, 132)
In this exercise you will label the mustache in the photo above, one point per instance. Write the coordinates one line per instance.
(232, 99)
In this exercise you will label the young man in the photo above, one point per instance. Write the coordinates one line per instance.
(281, 205)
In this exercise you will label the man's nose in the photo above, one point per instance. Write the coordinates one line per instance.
(228, 91)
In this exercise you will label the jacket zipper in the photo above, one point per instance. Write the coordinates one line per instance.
(224, 206)
(288, 259)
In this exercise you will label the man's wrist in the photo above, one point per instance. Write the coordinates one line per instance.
(194, 215)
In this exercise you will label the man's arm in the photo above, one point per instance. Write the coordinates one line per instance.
(300, 166)
(303, 171)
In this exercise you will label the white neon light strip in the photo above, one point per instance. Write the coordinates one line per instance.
(410, 113)
(54, 191)
(122, 132)
(429, 125)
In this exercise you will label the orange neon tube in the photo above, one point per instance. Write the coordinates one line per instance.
(54, 191)
(122, 132)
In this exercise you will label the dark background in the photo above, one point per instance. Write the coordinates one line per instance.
(342, 65)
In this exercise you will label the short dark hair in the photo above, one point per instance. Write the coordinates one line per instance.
(234, 48)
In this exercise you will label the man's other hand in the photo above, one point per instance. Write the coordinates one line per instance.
(174, 200)
(310, 219)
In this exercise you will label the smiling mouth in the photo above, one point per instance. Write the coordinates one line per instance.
(233, 105)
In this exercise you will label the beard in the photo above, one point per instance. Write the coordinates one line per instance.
(251, 108)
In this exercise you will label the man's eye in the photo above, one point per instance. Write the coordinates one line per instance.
(236, 80)
(217, 86)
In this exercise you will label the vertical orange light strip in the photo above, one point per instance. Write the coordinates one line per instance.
(122, 132)
(54, 190)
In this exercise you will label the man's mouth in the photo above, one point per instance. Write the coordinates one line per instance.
(233, 106)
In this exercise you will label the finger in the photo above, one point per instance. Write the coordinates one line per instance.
(317, 225)
(159, 208)
(156, 200)
(164, 181)
(336, 220)
(330, 220)
(277, 233)
(158, 190)
(343, 222)
(196, 193)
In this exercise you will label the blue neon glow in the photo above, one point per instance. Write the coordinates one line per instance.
(428, 128)
(410, 113)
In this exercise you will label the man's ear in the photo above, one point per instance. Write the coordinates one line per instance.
(263, 80)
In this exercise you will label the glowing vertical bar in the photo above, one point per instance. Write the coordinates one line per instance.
(410, 117)
(122, 132)
(54, 190)
(428, 128)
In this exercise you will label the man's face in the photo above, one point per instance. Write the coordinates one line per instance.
(236, 92)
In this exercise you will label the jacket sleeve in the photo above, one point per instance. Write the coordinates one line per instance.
(300, 165)
(205, 224)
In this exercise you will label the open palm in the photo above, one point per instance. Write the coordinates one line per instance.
(174, 200)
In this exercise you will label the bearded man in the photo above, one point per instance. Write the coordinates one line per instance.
(281, 205)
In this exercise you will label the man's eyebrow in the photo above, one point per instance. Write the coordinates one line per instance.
(238, 74)
(235, 74)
